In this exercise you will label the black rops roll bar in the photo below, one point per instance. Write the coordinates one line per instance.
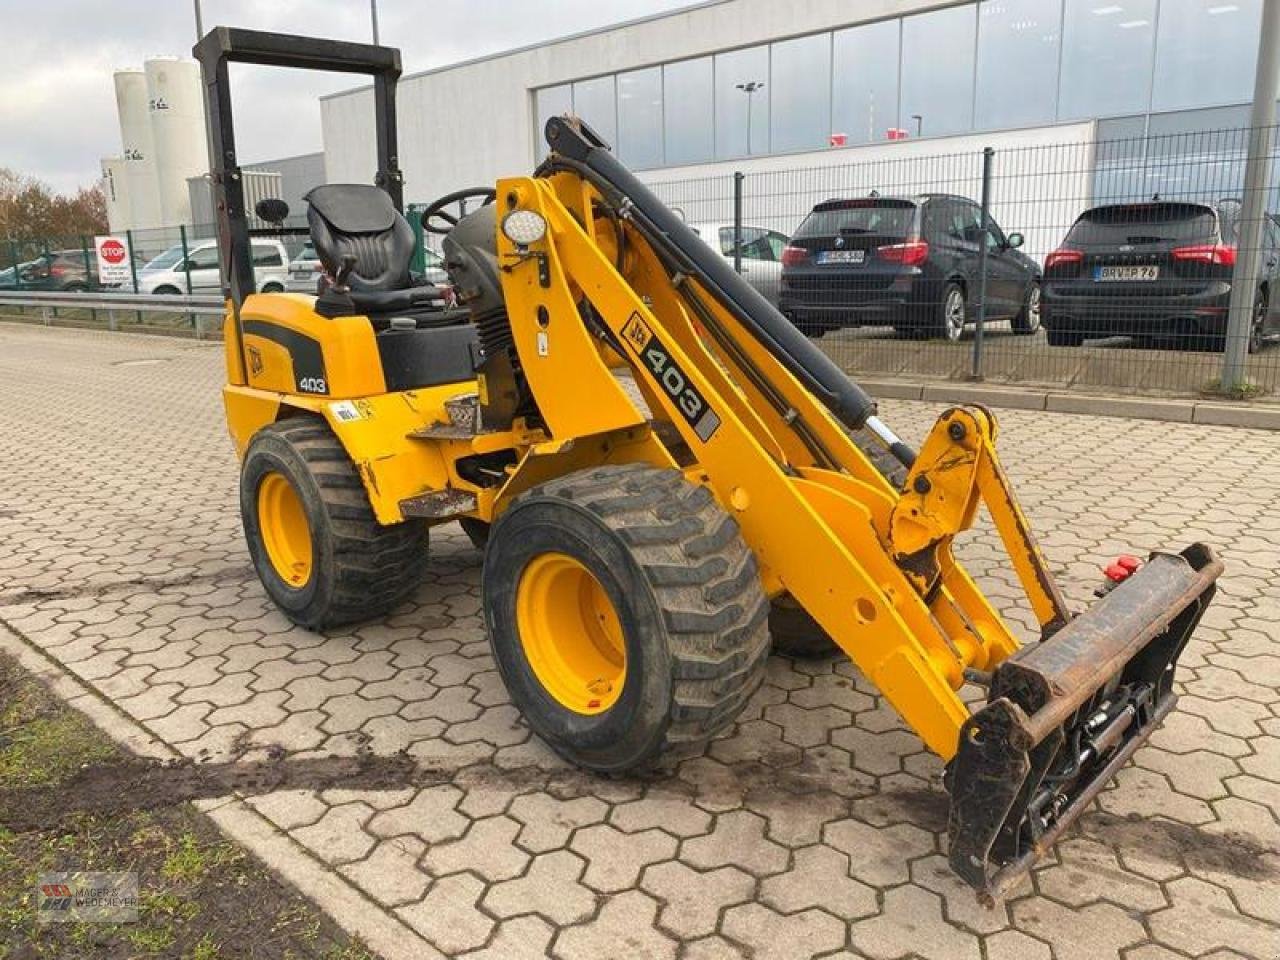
(225, 45)
(850, 404)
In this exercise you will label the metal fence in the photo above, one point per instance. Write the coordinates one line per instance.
(1091, 264)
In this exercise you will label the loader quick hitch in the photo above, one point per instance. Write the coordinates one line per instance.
(1064, 715)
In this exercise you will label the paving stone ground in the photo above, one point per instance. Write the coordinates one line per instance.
(813, 828)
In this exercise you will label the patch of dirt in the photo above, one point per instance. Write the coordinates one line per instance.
(201, 896)
(1199, 849)
(37, 595)
(135, 784)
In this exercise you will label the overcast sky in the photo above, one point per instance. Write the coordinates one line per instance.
(57, 101)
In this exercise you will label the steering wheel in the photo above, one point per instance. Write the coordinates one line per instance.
(436, 219)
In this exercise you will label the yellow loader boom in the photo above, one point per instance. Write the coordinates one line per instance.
(781, 438)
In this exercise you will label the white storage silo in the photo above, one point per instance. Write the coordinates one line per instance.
(141, 185)
(176, 106)
(115, 189)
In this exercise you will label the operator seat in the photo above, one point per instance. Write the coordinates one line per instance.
(358, 220)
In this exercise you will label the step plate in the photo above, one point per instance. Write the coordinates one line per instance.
(438, 504)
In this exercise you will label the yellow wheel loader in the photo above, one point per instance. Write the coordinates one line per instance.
(652, 458)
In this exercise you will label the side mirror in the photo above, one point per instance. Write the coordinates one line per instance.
(271, 209)
(1015, 240)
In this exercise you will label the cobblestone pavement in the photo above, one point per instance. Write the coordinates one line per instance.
(814, 828)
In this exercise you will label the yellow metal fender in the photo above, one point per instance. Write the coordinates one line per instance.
(298, 362)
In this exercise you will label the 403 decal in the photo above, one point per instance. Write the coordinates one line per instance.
(690, 403)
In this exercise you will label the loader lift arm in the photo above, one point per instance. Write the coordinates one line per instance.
(767, 423)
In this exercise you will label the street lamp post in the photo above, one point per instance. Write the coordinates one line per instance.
(749, 88)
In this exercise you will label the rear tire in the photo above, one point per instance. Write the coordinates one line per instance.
(625, 614)
(1258, 322)
(321, 555)
(1027, 322)
(272, 287)
(951, 315)
(1063, 338)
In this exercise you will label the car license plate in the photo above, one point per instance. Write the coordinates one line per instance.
(1140, 273)
(842, 256)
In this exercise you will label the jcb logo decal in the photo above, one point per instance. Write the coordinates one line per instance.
(691, 404)
(636, 333)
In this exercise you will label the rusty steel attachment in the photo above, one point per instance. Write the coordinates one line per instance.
(1064, 715)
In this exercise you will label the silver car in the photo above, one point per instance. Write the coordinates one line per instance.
(305, 271)
(761, 253)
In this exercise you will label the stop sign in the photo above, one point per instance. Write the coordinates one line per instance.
(113, 251)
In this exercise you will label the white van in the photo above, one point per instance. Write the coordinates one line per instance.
(167, 273)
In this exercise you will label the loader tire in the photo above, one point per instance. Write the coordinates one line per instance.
(625, 614)
(795, 633)
(318, 550)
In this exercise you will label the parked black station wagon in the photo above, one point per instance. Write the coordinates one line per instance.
(1156, 271)
(912, 262)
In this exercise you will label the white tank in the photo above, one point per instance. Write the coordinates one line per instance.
(141, 185)
(115, 188)
(176, 104)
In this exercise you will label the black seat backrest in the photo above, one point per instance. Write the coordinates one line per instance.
(358, 219)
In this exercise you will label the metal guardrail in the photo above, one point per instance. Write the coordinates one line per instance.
(113, 303)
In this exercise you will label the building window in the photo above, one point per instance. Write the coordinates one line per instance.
(865, 81)
(547, 103)
(688, 123)
(937, 71)
(742, 102)
(594, 102)
(640, 117)
(1106, 57)
(800, 94)
(1018, 42)
(1206, 51)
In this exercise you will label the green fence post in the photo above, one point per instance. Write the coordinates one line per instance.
(88, 275)
(17, 278)
(186, 270)
(49, 264)
(419, 261)
(133, 267)
(186, 267)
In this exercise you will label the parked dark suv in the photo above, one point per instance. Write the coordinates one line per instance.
(1156, 270)
(911, 262)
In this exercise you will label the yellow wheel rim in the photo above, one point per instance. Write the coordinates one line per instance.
(282, 522)
(571, 634)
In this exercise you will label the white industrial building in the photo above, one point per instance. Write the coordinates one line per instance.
(770, 89)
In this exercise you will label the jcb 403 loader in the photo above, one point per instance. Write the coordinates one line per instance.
(634, 545)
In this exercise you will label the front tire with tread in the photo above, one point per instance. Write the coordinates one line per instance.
(685, 589)
(360, 569)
